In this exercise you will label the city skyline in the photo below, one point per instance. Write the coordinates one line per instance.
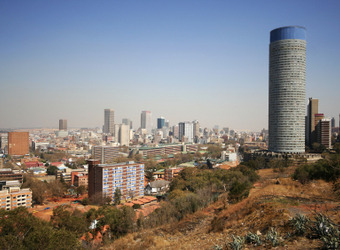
(187, 61)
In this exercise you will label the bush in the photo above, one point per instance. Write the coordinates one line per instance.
(326, 230)
(136, 206)
(239, 190)
(272, 237)
(253, 239)
(328, 170)
(300, 224)
(237, 243)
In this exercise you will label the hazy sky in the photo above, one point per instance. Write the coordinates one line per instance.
(184, 60)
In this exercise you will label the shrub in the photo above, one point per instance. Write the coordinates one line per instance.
(326, 230)
(237, 243)
(300, 224)
(239, 190)
(272, 237)
(253, 239)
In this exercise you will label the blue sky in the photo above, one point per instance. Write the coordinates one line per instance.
(184, 60)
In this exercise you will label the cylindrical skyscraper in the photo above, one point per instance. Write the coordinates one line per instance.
(287, 89)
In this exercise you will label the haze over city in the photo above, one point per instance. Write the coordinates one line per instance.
(184, 60)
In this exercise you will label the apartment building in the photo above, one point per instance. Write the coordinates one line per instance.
(167, 149)
(15, 197)
(104, 179)
(106, 154)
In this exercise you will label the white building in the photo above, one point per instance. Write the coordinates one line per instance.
(186, 131)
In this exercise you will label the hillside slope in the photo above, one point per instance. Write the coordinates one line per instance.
(274, 200)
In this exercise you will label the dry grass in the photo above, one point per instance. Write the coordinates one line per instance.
(271, 203)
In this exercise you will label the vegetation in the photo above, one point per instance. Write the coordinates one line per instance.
(21, 230)
(300, 224)
(325, 169)
(195, 188)
(237, 243)
(117, 196)
(41, 190)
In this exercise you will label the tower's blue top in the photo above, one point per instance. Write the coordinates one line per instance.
(288, 32)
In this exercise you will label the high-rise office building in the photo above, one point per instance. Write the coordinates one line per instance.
(62, 124)
(160, 122)
(127, 122)
(196, 130)
(122, 134)
(333, 123)
(287, 87)
(18, 143)
(109, 121)
(145, 121)
(186, 131)
(167, 124)
(312, 110)
(323, 131)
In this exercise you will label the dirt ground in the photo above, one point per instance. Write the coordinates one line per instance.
(274, 200)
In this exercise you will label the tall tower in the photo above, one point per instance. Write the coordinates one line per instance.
(160, 122)
(287, 89)
(312, 110)
(186, 131)
(145, 121)
(62, 124)
(109, 121)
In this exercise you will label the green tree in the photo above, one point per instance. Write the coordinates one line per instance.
(52, 170)
(117, 196)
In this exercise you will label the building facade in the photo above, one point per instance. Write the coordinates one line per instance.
(15, 197)
(127, 121)
(106, 154)
(18, 143)
(323, 129)
(312, 110)
(160, 122)
(186, 131)
(104, 179)
(62, 124)
(287, 87)
(145, 121)
(109, 121)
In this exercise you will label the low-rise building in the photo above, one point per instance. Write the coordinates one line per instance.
(10, 175)
(170, 173)
(80, 179)
(15, 197)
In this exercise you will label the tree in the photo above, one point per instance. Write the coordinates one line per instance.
(52, 170)
(39, 189)
(56, 188)
(81, 190)
(117, 196)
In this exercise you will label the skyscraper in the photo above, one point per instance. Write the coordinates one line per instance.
(287, 87)
(62, 124)
(160, 122)
(145, 121)
(196, 130)
(312, 110)
(127, 121)
(109, 121)
(323, 131)
(186, 131)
